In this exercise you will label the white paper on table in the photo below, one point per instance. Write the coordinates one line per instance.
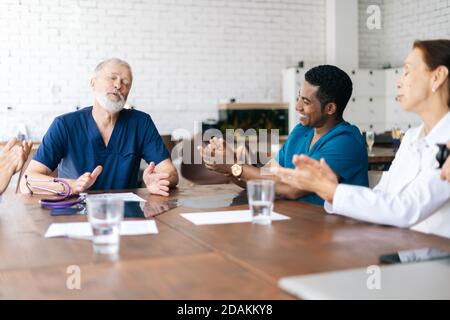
(138, 227)
(223, 217)
(126, 196)
(73, 229)
(83, 230)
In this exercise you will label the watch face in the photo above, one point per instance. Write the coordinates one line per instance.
(236, 170)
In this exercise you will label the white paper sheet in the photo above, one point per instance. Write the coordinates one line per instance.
(126, 196)
(138, 227)
(222, 217)
(83, 230)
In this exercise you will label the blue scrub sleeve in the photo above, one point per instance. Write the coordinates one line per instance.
(343, 155)
(280, 155)
(52, 149)
(154, 148)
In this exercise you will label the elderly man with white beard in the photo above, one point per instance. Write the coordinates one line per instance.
(101, 146)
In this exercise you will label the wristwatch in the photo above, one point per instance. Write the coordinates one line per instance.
(236, 170)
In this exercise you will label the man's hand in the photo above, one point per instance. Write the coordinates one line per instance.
(85, 181)
(218, 156)
(156, 183)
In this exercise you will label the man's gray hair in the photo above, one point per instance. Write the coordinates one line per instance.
(102, 64)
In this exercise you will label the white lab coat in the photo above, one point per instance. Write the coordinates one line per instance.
(409, 195)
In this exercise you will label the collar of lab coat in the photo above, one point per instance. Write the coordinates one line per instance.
(438, 134)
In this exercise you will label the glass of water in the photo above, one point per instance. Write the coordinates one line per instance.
(261, 194)
(105, 216)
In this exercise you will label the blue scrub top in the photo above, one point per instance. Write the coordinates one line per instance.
(73, 144)
(342, 147)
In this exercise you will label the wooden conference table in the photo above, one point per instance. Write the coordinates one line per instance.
(381, 155)
(381, 158)
(184, 261)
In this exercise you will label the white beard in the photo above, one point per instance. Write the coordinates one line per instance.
(109, 105)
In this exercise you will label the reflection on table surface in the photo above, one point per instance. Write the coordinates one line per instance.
(153, 208)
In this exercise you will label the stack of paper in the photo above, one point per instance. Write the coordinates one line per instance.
(125, 196)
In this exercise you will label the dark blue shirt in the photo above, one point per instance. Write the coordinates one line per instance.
(342, 147)
(73, 144)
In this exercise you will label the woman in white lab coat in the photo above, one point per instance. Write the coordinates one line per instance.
(411, 194)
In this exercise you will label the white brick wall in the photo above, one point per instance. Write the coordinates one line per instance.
(186, 54)
(407, 21)
(403, 21)
(370, 41)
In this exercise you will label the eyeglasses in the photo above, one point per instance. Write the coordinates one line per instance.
(63, 201)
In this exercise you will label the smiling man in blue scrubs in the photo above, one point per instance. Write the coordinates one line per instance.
(321, 133)
(101, 147)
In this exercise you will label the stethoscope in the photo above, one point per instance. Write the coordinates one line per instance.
(65, 198)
